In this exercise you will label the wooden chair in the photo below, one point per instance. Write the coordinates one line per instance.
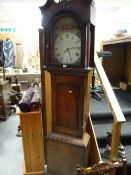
(104, 168)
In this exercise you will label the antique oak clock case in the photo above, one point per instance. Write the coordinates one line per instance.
(66, 54)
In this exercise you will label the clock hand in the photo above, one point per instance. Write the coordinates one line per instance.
(71, 48)
(69, 53)
(66, 50)
(74, 47)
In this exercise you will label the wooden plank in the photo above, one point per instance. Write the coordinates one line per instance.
(115, 141)
(32, 137)
(110, 96)
(25, 141)
(86, 100)
(42, 61)
(35, 173)
(48, 102)
(87, 94)
(32, 173)
(115, 108)
(119, 40)
(94, 154)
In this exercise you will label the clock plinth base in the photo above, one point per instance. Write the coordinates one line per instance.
(64, 153)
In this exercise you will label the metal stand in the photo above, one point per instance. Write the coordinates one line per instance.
(95, 90)
(121, 150)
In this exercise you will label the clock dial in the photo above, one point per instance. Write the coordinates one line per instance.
(66, 42)
(67, 48)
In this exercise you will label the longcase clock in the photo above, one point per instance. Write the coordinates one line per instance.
(66, 53)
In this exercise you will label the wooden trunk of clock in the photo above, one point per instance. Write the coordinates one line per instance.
(68, 143)
(66, 53)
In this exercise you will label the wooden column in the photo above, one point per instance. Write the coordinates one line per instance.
(33, 146)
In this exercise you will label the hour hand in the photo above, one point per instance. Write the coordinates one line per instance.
(67, 50)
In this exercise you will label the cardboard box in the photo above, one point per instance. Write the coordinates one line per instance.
(125, 86)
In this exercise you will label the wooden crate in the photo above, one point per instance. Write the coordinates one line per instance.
(33, 146)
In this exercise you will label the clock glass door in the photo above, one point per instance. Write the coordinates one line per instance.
(66, 42)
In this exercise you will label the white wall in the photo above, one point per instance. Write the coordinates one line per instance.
(110, 16)
(26, 21)
(109, 21)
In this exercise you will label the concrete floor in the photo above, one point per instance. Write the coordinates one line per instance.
(11, 153)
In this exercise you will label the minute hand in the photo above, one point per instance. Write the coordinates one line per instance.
(74, 47)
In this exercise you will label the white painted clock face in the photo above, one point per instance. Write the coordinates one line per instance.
(67, 48)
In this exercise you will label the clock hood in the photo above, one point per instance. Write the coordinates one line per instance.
(85, 12)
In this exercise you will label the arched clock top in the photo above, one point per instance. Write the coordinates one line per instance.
(86, 10)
